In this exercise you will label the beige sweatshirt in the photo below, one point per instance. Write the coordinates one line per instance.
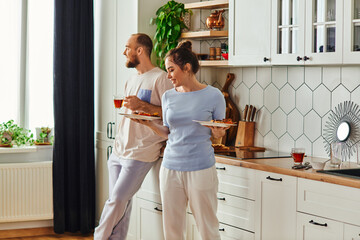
(133, 140)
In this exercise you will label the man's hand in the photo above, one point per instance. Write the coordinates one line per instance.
(133, 103)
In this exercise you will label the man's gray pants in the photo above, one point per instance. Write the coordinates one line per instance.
(125, 179)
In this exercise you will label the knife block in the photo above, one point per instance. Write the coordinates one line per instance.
(245, 134)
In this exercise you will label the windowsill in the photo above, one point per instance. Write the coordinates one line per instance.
(23, 149)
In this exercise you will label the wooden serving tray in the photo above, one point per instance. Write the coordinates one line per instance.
(251, 149)
(231, 149)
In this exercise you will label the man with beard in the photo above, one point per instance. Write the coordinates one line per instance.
(137, 147)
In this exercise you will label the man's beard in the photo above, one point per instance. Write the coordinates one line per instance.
(133, 63)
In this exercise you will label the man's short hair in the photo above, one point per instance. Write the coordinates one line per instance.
(144, 41)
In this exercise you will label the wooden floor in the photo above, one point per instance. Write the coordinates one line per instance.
(53, 237)
(40, 234)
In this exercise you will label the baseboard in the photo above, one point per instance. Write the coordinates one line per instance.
(28, 232)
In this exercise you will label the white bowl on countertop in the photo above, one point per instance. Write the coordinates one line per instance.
(318, 163)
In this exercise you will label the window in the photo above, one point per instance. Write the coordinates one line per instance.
(40, 63)
(26, 62)
(10, 44)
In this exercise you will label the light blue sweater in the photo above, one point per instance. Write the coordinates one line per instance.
(188, 146)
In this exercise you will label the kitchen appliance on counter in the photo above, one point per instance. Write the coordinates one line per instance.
(351, 173)
(246, 154)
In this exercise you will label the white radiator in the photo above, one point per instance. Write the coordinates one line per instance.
(26, 191)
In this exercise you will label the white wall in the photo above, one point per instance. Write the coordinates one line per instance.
(294, 101)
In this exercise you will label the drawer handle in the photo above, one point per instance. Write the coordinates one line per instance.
(274, 179)
(220, 168)
(319, 224)
(221, 229)
(157, 209)
(221, 198)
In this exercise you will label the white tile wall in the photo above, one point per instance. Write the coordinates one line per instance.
(294, 101)
(287, 98)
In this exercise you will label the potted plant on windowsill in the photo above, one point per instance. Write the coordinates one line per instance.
(169, 22)
(11, 133)
(44, 136)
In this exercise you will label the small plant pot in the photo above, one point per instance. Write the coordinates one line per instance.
(5, 145)
(46, 140)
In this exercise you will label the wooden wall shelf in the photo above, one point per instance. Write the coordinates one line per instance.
(205, 34)
(208, 4)
(214, 63)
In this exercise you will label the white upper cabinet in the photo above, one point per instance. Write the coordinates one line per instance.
(351, 31)
(288, 30)
(323, 36)
(307, 32)
(249, 32)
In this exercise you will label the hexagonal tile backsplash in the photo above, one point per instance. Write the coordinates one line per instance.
(294, 101)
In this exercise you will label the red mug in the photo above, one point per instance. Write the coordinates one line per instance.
(298, 155)
(118, 101)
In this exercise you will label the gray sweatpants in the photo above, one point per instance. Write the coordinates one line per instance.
(125, 179)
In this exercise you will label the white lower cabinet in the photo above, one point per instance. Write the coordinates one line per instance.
(236, 211)
(351, 232)
(226, 232)
(232, 233)
(149, 220)
(328, 200)
(236, 181)
(275, 206)
(310, 227)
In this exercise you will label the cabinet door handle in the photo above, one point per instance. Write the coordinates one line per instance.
(306, 58)
(319, 224)
(112, 137)
(221, 198)
(266, 59)
(220, 168)
(274, 179)
(298, 58)
(108, 152)
(157, 209)
(221, 229)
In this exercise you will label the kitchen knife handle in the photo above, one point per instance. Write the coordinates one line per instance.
(245, 111)
(253, 114)
(249, 113)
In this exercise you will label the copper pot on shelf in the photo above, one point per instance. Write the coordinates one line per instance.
(216, 21)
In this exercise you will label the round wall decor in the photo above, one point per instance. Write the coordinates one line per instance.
(343, 125)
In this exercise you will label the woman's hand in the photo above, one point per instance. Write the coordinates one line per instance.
(218, 132)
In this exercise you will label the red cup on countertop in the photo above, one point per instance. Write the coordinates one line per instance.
(298, 155)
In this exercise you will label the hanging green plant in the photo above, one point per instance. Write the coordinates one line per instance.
(169, 22)
(11, 133)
